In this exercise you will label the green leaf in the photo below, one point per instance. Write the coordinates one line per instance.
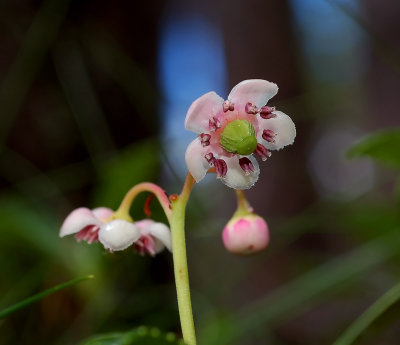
(369, 316)
(34, 298)
(142, 335)
(383, 146)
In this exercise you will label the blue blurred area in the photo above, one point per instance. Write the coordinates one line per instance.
(333, 45)
(191, 63)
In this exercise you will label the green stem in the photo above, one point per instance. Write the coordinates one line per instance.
(180, 261)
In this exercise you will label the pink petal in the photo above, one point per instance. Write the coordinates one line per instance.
(255, 91)
(236, 177)
(77, 220)
(102, 213)
(284, 128)
(195, 161)
(162, 235)
(201, 111)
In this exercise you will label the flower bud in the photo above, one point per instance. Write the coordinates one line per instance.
(246, 234)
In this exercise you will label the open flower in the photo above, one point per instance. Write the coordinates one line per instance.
(231, 131)
(85, 223)
(154, 237)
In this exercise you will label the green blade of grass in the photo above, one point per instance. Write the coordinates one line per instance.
(34, 298)
(369, 316)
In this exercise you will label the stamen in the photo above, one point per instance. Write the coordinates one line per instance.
(228, 105)
(205, 139)
(210, 158)
(246, 165)
(269, 135)
(266, 112)
(214, 124)
(262, 152)
(251, 109)
(220, 168)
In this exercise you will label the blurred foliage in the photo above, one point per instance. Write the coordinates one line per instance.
(383, 146)
(142, 335)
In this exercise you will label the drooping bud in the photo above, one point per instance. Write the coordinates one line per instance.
(246, 235)
(239, 137)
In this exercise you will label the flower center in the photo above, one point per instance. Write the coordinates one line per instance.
(239, 137)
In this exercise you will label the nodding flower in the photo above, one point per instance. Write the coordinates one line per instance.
(232, 132)
(102, 225)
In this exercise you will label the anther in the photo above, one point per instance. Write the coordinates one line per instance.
(267, 112)
(251, 109)
(220, 168)
(262, 152)
(214, 124)
(246, 165)
(205, 139)
(269, 135)
(228, 105)
(210, 158)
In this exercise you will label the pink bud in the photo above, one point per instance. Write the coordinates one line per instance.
(246, 235)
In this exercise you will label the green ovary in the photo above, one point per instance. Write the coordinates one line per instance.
(239, 137)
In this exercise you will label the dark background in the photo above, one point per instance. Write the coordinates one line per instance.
(93, 96)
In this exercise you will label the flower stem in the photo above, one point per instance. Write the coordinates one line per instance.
(180, 261)
(123, 210)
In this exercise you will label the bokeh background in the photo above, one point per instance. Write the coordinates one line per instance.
(93, 96)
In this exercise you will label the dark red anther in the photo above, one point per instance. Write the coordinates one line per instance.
(267, 112)
(205, 139)
(262, 152)
(269, 135)
(220, 168)
(246, 165)
(210, 158)
(147, 210)
(214, 124)
(228, 105)
(251, 109)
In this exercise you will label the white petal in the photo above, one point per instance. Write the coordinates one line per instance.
(236, 177)
(102, 213)
(256, 91)
(118, 234)
(163, 236)
(283, 127)
(195, 161)
(201, 111)
(77, 220)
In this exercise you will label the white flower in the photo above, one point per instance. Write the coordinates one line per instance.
(231, 131)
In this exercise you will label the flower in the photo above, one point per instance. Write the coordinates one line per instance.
(230, 131)
(246, 235)
(103, 225)
(154, 237)
(85, 223)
